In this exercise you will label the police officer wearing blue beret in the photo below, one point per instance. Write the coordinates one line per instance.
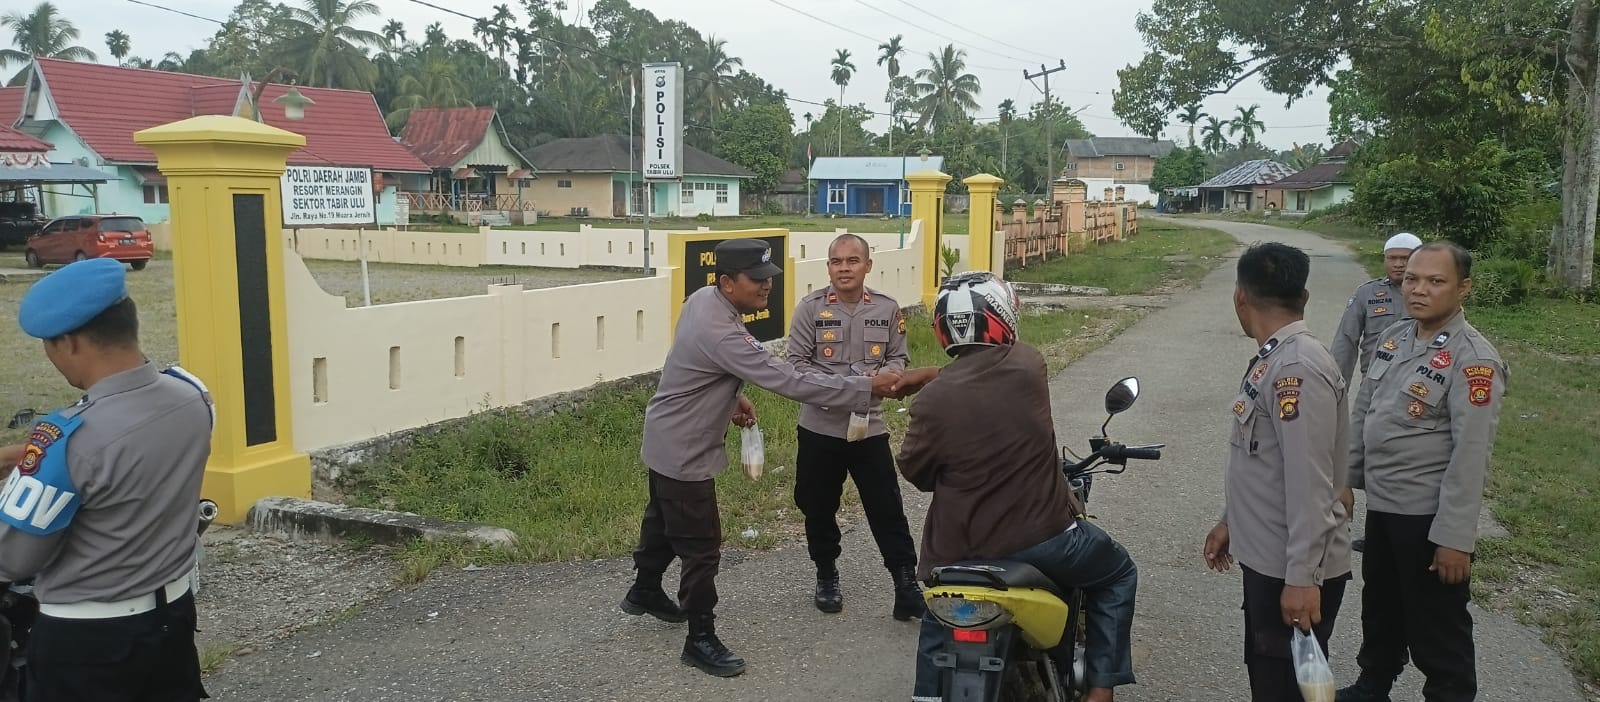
(100, 509)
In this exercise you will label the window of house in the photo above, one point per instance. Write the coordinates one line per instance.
(722, 193)
(1118, 165)
(905, 194)
(1072, 166)
(155, 194)
(836, 194)
(686, 193)
(1300, 202)
(564, 184)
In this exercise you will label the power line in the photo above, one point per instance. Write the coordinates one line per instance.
(974, 31)
(179, 12)
(891, 15)
(841, 28)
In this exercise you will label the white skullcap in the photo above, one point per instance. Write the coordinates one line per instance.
(1403, 240)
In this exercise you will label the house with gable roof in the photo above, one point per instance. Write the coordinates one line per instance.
(1248, 186)
(474, 166)
(89, 112)
(1323, 185)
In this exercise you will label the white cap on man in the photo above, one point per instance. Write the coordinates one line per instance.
(1403, 240)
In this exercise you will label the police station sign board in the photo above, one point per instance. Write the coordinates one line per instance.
(323, 195)
(663, 121)
(700, 270)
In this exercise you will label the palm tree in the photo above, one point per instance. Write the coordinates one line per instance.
(1191, 116)
(946, 92)
(842, 70)
(436, 85)
(333, 50)
(1008, 112)
(1212, 138)
(889, 56)
(1246, 122)
(44, 33)
(118, 43)
(713, 67)
(501, 34)
(1305, 156)
(394, 33)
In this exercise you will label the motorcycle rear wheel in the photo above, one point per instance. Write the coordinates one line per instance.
(1028, 678)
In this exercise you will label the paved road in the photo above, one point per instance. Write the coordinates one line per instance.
(552, 632)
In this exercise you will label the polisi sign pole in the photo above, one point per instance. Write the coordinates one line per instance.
(663, 134)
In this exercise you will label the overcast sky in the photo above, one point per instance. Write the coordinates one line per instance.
(793, 51)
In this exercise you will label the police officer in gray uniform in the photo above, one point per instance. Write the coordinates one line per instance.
(100, 511)
(847, 328)
(1426, 419)
(711, 359)
(1372, 308)
(1284, 518)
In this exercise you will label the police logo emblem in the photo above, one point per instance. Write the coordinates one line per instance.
(1415, 409)
(827, 352)
(661, 81)
(877, 350)
(1440, 360)
(1261, 370)
(766, 255)
(1288, 406)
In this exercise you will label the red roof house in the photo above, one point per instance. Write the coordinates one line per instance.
(471, 158)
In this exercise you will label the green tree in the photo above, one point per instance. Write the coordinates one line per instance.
(1212, 138)
(118, 43)
(1008, 113)
(946, 94)
(1182, 167)
(1191, 116)
(42, 32)
(1247, 122)
(713, 69)
(334, 48)
(842, 70)
(759, 137)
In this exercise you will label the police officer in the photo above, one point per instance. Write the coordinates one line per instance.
(1372, 308)
(1284, 519)
(847, 328)
(100, 511)
(711, 359)
(1427, 414)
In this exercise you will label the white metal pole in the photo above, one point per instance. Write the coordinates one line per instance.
(366, 281)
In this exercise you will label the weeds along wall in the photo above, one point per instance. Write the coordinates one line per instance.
(361, 372)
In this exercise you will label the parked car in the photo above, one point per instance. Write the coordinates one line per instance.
(79, 237)
(18, 221)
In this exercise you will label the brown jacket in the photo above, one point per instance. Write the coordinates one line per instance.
(983, 442)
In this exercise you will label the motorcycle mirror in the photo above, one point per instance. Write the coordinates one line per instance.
(1121, 395)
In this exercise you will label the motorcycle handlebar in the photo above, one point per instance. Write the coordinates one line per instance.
(1141, 453)
(1117, 453)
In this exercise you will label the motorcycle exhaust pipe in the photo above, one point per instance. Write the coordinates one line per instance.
(208, 514)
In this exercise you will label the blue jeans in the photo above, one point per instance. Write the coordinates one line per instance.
(1084, 558)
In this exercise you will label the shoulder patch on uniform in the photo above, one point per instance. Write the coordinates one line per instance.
(1287, 381)
(1288, 405)
(1480, 384)
(753, 343)
(900, 321)
(39, 498)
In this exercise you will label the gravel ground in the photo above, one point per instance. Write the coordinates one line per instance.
(552, 631)
(396, 282)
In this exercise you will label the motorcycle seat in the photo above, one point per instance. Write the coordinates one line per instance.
(1006, 574)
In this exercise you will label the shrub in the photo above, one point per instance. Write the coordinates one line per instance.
(771, 208)
(1501, 282)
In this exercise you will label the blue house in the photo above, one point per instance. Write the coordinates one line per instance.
(867, 185)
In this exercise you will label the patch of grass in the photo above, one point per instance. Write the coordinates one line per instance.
(214, 656)
(1161, 251)
(1544, 484)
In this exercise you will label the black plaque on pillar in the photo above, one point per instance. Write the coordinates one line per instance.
(255, 319)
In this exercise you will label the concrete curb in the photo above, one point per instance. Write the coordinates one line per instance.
(294, 518)
(20, 275)
(1048, 289)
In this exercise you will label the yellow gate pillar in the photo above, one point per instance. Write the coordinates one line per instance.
(927, 204)
(227, 255)
(986, 251)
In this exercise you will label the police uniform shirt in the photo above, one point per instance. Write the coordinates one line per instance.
(712, 356)
(1372, 308)
(1426, 419)
(1286, 466)
(828, 336)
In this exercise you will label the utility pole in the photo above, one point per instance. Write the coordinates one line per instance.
(1050, 122)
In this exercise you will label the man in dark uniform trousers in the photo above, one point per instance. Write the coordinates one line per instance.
(711, 359)
(1372, 308)
(847, 328)
(100, 510)
(1425, 425)
(1284, 517)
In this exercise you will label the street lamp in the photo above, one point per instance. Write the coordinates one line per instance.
(294, 103)
(899, 204)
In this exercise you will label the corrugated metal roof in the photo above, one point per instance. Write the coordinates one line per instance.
(441, 136)
(104, 105)
(871, 167)
(1097, 147)
(54, 173)
(1258, 172)
(1320, 175)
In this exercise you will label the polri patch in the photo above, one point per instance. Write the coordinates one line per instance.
(1440, 360)
(1415, 409)
(827, 352)
(753, 343)
(1288, 405)
(1261, 370)
(1480, 381)
(1287, 381)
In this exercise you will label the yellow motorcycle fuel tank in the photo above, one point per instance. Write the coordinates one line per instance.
(1040, 615)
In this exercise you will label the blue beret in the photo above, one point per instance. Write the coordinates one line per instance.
(69, 298)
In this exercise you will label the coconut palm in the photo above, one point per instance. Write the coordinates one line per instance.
(118, 43)
(394, 33)
(1008, 112)
(889, 57)
(1212, 138)
(842, 70)
(713, 68)
(1247, 123)
(334, 49)
(1191, 116)
(437, 84)
(42, 32)
(945, 92)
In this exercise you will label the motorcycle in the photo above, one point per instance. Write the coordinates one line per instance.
(1002, 618)
(19, 609)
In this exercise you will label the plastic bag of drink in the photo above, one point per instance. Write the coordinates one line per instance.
(753, 454)
(1311, 668)
(857, 429)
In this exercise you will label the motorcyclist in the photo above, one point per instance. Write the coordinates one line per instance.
(982, 440)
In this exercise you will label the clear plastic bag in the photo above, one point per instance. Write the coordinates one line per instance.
(1311, 668)
(752, 453)
(857, 429)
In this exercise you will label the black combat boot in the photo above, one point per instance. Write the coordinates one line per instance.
(907, 593)
(646, 596)
(705, 651)
(1366, 689)
(829, 598)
